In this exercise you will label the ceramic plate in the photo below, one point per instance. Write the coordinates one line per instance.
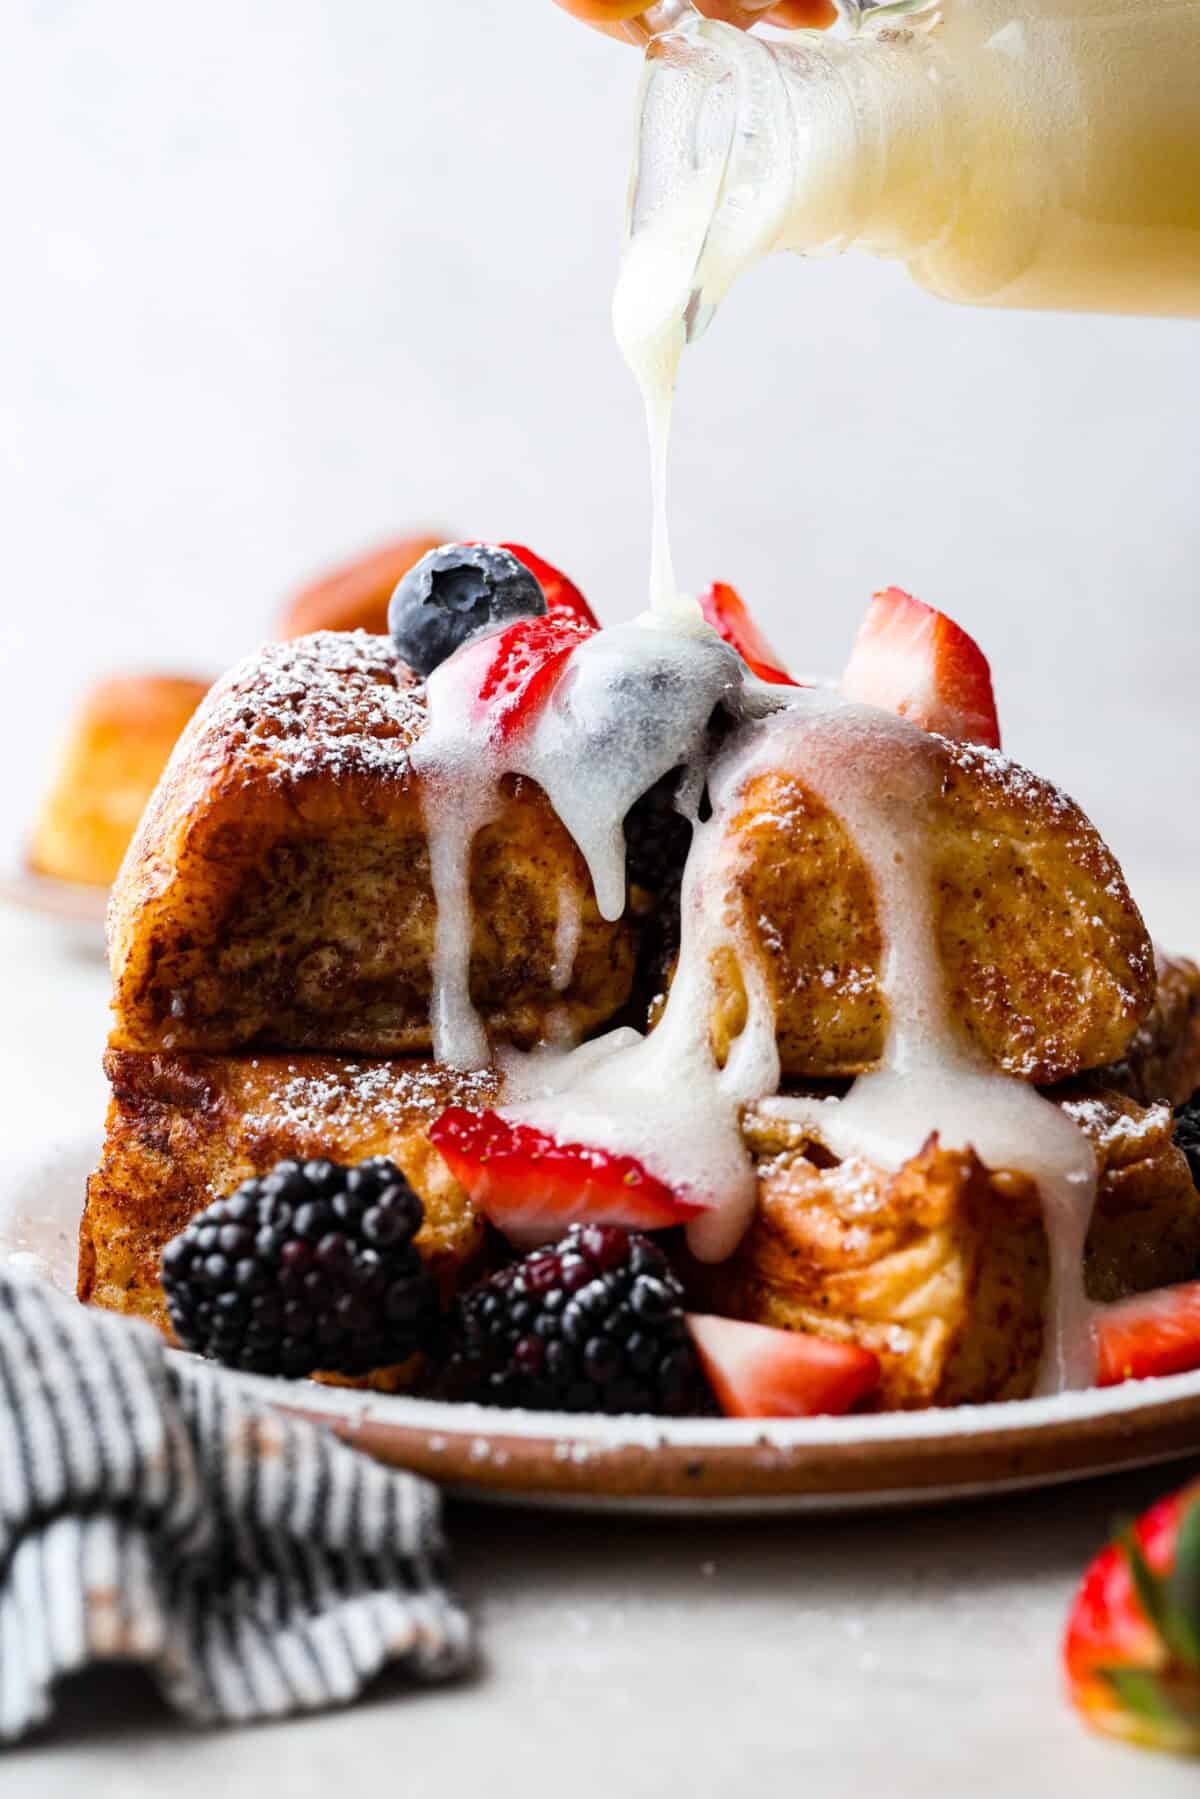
(657, 1465)
(76, 909)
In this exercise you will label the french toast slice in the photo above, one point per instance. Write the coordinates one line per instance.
(278, 891)
(118, 744)
(185, 1130)
(278, 895)
(942, 1268)
(1047, 964)
(1163, 1060)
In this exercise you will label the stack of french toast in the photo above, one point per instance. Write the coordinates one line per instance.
(272, 940)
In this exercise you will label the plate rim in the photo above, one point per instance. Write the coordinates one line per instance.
(743, 1466)
(1091, 1405)
(76, 902)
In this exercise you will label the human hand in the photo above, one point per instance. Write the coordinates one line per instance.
(612, 15)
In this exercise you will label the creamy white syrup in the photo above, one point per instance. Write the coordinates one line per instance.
(877, 774)
(568, 929)
(704, 205)
(662, 1097)
(633, 703)
(650, 307)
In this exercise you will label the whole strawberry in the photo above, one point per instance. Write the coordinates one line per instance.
(1132, 1648)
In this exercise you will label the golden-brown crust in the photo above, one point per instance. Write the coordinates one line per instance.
(116, 748)
(1163, 1060)
(354, 596)
(941, 1269)
(278, 892)
(1047, 963)
(183, 1130)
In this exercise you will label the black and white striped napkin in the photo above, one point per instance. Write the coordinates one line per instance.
(150, 1512)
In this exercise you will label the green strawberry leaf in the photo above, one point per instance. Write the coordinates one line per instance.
(1181, 1590)
(1150, 1591)
(1142, 1693)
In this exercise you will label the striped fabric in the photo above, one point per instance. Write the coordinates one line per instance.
(149, 1512)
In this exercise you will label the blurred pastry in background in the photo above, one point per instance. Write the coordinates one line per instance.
(354, 596)
(116, 748)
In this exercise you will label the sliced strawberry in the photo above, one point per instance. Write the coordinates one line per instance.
(725, 610)
(1149, 1333)
(1132, 1645)
(914, 661)
(525, 660)
(563, 598)
(534, 1188)
(759, 1372)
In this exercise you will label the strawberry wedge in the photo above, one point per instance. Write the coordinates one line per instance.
(726, 612)
(1131, 1653)
(524, 663)
(533, 1188)
(759, 1372)
(914, 661)
(1149, 1333)
(563, 598)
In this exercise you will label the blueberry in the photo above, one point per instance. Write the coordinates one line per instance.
(453, 592)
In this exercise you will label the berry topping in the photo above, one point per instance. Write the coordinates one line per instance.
(524, 663)
(757, 1371)
(532, 1188)
(1132, 1648)
(657, 837)
(726, 612)
(1149, 1333)
(595, 1324)
(311, 1266)
(563, 598)
(1187, 1134)
(657, 840)
(916, 662)
(454, 592)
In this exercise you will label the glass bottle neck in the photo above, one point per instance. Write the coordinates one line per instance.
(810, 144)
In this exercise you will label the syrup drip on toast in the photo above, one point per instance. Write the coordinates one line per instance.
(665, 1097)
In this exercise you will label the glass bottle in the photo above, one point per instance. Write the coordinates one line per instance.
(1027, 153)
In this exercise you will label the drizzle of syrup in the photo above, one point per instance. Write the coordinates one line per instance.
(635, 698)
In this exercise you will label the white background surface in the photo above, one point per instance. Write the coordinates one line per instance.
(281, 279)
(886, 1657)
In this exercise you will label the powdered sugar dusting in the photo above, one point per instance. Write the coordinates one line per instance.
(1020, 787)
(388, 1094)
(335, 703)
(1115, 1131)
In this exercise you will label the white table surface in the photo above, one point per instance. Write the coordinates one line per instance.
(889, 1655)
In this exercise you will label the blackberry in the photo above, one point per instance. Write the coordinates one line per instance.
(594, 1324)
(1187, 1134)
(454, 591)
(657, 838)
(310, 1266)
